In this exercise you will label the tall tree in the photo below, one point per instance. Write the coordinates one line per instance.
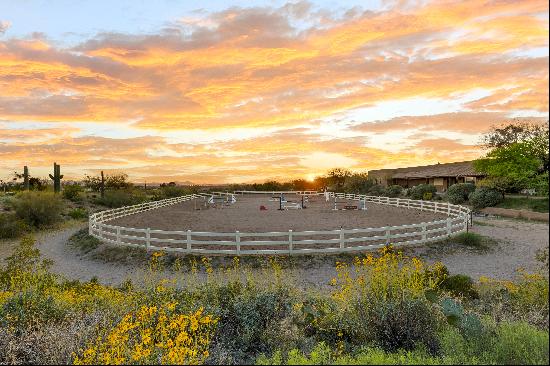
(338, 176)
(517, 131)
(517, 156)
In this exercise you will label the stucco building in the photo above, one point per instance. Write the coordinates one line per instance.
(442, 176)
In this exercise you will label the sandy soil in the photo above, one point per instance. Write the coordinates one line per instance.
(517, 243)
(246, 216)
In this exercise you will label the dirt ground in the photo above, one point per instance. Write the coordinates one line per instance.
(246, 216)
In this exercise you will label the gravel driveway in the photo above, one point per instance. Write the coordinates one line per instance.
(516, 247)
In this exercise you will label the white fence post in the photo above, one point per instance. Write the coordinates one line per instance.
(147, 238)
(290, 242)
(341, 237)
(238, 241)
(448, 208)
(422, 205)
(189, 240)
(448, 226)
(424, 235)
(118, 234)
(388, 236)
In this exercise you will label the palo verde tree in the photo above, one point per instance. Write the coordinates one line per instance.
(337, 177)
(517, 157)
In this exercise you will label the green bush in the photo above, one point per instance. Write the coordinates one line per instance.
(460, 285)
(29, 309)
(393, 191)
(469, 239)
(78, 213)
(485, 197)
(458, 193)
(520, 344)
(247, 317)
(376, 190)
(83, 241)
(39, 209)
(525, 203)
(171, 191)
(11, 226)
(119, 198)
(405, 324)
(322, 354)
(421, 191)
(72, 192)
(540, 184)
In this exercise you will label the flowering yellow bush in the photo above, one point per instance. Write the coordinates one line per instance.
(388, 276)
(153, 335)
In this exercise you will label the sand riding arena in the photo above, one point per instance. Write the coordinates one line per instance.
(252, 223)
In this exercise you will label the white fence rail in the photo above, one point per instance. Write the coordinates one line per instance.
(310, 193)
(282, 242)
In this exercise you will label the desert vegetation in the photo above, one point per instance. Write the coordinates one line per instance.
(379, 308)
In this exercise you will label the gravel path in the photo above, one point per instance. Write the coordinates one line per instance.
(517, 245)
(516, 248)
(71, 264)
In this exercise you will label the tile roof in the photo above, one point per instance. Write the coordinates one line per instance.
(458, 169)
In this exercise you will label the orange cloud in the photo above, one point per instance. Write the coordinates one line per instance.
(252, 68)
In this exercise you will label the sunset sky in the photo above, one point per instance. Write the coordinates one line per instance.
(212, 93)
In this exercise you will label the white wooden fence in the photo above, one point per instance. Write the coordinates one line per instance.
(281, 242)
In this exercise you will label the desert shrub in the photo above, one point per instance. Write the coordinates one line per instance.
(153, 335)
(376, 190)
(83, 241)
(458, 193)
(520, 344)
(422, 191)
(39, 209)
(373, 295)
(403, 324)
(460, 285)
(11, 226)
(393, 191)
(469, 239)
(247, 315)
(78, 213)
(72, 192)
(485, 197)
(525, 299)
(383, 309)
(30, 309)
(171, 191)
(119, 198)
(322, 354)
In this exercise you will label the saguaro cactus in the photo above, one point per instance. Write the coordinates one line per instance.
(102, 186)
(26, 177)
(56, 177)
